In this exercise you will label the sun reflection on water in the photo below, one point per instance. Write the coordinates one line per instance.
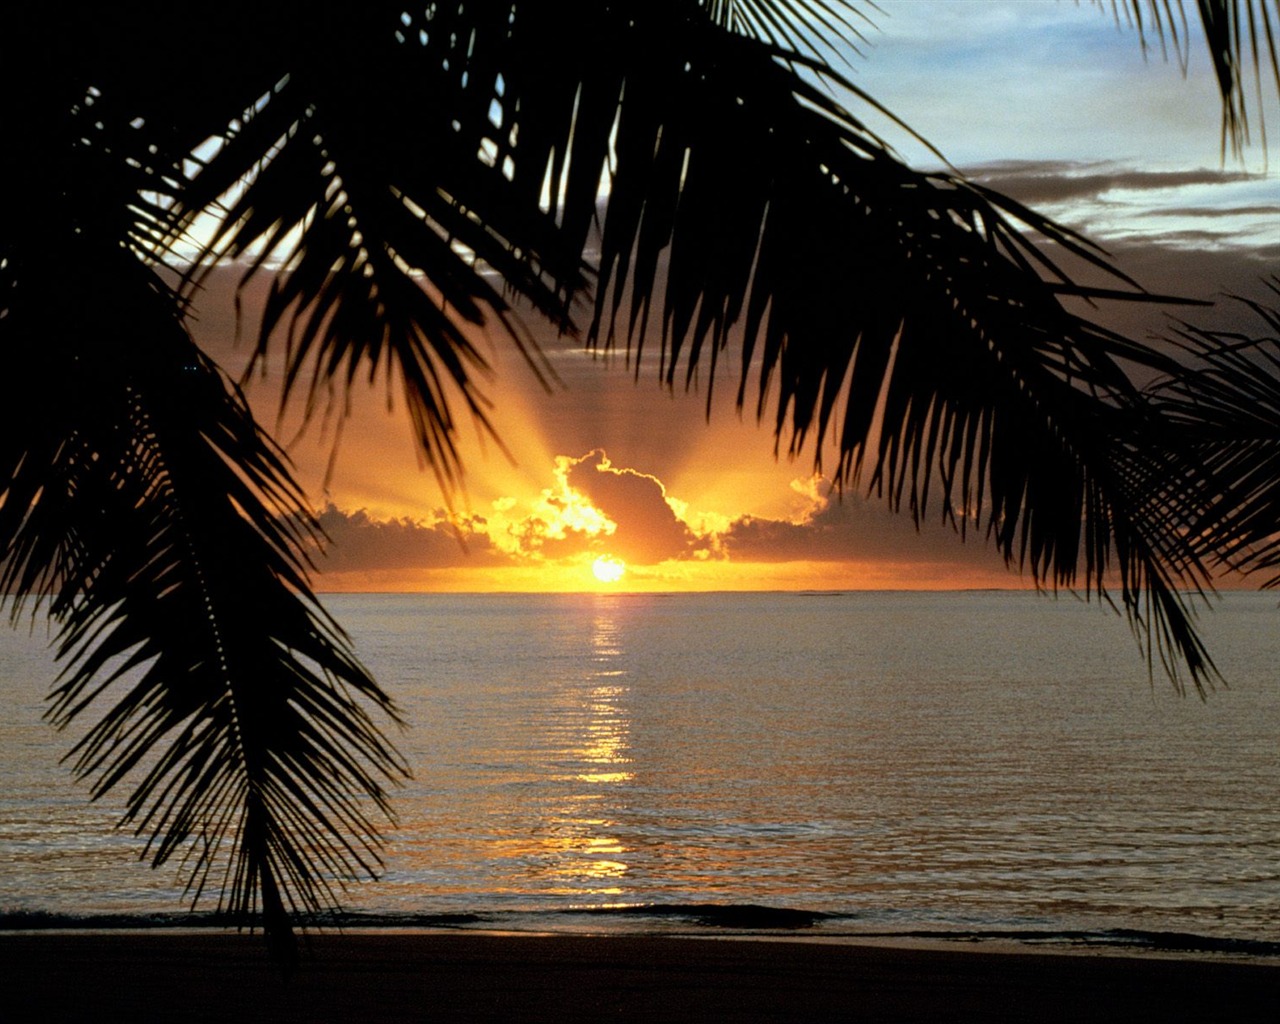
(574, 847)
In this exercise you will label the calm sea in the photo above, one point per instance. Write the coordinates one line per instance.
(975, 764)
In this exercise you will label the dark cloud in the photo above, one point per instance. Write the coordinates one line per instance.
(1180, 266)
(357, 542)
(648, 529)
(1224, 211)
(1033, 182)
(570, 519)
(853, 529)
(648, 532)
(1174, 267)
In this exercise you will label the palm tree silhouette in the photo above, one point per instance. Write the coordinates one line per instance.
(404, 174)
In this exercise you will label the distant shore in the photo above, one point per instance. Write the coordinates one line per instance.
(369, 977)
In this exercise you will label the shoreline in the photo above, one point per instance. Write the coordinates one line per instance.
(712, 922)
(469, 975)
(998, 943)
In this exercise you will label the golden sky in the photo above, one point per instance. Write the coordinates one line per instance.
(602, 468)
(1049, 102)
(605, 475)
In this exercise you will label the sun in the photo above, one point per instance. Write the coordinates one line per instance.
(608, 569)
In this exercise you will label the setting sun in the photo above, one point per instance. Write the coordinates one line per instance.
(608, 569)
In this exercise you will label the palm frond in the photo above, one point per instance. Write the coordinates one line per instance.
(396, 200)
(812, 27)
(1226, 408)
(141, 504)
(389, 201)
(902, 316)
(1243, 42)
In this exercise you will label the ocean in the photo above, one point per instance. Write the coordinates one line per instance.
(968, 765)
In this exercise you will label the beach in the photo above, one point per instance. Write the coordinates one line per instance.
(160, 976)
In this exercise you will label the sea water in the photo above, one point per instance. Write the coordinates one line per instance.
(970, 764)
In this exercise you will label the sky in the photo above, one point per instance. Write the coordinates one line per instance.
(609, 476)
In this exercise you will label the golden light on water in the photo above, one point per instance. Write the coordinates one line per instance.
(608, 569)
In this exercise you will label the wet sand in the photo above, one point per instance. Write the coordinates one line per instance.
(482, 977)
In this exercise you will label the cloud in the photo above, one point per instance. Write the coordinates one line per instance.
(1198, 209)
(1226, 211)
(647, 529)
(591, 507)
(1174, 267)
(1033, 181)
(1198, 234)
(849, 529)
(357, 542)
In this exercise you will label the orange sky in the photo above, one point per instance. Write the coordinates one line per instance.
(604, 466)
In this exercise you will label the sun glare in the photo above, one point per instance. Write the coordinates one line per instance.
(608, 569)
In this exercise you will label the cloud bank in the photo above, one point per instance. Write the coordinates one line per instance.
(593, 508)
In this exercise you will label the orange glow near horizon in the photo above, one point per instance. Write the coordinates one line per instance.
(591, 491)
(684, 577)
(597, 471)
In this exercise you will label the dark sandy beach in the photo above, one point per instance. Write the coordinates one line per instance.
(481, 977)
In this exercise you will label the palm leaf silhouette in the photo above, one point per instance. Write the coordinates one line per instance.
(1241, 41)
(164, 532)
(1227, 404)
(948, 351)
(179, 585)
